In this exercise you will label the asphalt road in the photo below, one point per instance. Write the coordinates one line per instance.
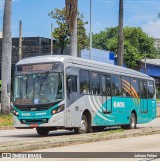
(31, 134)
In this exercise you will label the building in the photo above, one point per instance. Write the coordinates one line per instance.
(153, 70)
(31, 46)
(99, 55)
(157, 43)
(1, 35)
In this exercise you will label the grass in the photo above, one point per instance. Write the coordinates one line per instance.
(6, 120)
(158, 99)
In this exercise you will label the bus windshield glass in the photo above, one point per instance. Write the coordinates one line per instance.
(40, 88)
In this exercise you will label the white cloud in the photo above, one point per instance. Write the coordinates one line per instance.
(152, 28)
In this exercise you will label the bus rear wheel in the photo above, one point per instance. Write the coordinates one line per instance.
(83, 126)
(43, 131)
(132, 124)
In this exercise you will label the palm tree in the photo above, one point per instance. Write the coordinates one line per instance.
(71, 16)
(120, 49)
(6, 58)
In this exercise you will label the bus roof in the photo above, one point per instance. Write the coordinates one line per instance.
(84, 62)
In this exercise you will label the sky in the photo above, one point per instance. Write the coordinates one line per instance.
(36, 22)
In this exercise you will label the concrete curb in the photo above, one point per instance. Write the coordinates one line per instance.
(46, 142)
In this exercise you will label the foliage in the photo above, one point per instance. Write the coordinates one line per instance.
(61, 33)
(136, 44)
(6, 120)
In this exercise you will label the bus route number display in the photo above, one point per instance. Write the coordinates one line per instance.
(37, 67)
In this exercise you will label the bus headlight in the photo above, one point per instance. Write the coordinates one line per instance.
(57, 110)
(15, 113)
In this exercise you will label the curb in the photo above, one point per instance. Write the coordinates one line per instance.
(50, 142)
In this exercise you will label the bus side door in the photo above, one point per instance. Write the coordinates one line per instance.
(106, 92)
(144, 101)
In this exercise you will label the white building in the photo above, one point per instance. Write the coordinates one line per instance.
(1, 35)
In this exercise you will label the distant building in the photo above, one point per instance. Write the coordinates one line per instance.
(1, 35)
(152, 69)
(157, 43)
(32, 46)
(99, 55)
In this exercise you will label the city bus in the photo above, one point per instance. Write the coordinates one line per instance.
(64, 92)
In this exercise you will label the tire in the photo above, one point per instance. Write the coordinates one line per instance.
(133, 121)
(42, 131)
(98, 128)
(132, 124)
(83, 129)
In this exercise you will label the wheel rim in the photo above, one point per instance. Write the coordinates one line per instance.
(83, 125)
(133, 122)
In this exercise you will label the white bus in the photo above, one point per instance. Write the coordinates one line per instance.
(64, 92)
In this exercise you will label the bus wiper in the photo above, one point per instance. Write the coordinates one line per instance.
(44, 81)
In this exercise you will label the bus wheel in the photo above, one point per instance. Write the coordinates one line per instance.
(42, 131)
(132, 124)
(83, 126)
(133, 121)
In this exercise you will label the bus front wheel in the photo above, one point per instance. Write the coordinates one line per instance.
(83, 126)
(42, 131)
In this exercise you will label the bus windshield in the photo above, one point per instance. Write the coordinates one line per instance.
(40, 88)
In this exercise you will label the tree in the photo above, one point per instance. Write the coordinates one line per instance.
(120, 50)
(62, 34)
(6, 58)
(136, 44)
(71, 17)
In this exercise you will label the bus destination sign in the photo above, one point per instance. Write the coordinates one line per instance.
(36, 67)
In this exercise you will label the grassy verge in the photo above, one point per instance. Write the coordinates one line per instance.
(158, 99)
(6, 120)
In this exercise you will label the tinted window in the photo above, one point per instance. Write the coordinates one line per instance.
(95, 83)
(84, 81)
(143, 89)
(105, 85)
(134, 88)
(126, 87)
(116, 85)
(151, 89)
(74, 83)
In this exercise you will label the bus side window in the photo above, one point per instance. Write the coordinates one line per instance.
(151, 90)
(126, 87)
(143, 89)
(72, 83)
(105, 85)
(116, 85)
(135, 88)
(84, 82)
(95, 83)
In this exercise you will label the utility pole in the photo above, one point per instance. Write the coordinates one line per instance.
(51, 38)
(90, 50)
(120, 51)
(20, 40)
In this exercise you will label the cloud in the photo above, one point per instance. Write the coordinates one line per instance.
(152, 28)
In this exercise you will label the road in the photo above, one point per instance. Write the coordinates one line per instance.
(31, 134)
(149, 143)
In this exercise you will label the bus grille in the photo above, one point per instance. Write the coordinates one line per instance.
(34, 107)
